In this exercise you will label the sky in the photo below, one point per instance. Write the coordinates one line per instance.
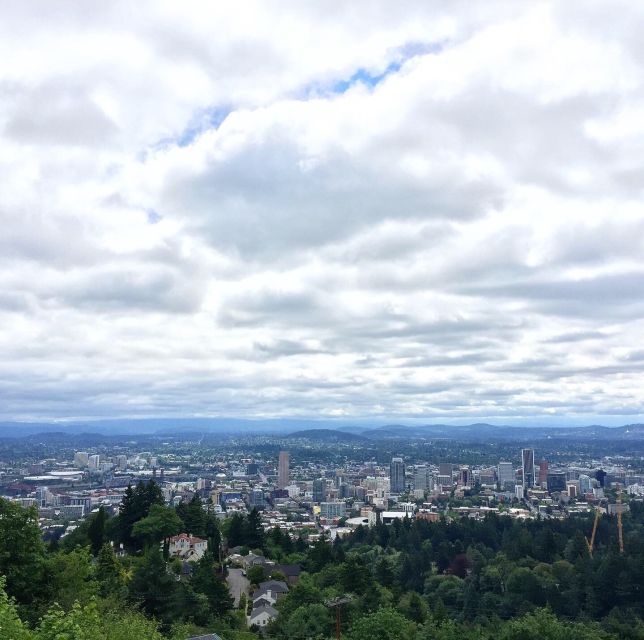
(420, 211)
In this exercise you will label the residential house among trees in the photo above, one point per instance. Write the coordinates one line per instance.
(188, 548)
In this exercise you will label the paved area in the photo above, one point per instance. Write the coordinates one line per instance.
(237, 584)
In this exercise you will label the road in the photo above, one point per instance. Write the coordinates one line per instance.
(237, 584)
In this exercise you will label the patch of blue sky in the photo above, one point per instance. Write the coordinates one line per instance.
(362, 76)
(371, 79)
(202, 121)
(153, 216)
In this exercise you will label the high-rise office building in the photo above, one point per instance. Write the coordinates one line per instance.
(422, 479)
(585, 484)
(465, 477)
(487, 477)
(556, 482)
(527, 467)
(256, 498)
(397, 475)
(81, 458)
(506, 475)
(446, 469)
(543, 473)
(319, 490)
(282, 470)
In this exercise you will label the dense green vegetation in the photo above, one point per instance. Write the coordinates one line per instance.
(80, 588)
(497, 578)
(419, 580)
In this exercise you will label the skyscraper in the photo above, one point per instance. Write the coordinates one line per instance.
(422, 479)
(527, 466)
(506, 475)
(543, 473)
(397, 475)
(319, 490)
(282, 470)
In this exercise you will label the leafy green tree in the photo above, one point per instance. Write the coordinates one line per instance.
(87, 623)
(355, 575)
(412, 606)
(256, 574)
(544, 625)
(72, 578)
(319, 556)
(160, 524)
(22, 552)
(385, 624)
(11, 626)
(309, 621)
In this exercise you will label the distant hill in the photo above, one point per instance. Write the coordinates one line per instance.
(327, 435)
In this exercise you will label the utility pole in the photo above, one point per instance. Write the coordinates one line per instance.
(336, 603)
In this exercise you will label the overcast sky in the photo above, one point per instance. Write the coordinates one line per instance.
(410, 210)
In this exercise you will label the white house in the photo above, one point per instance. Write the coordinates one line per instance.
(262, 616)
(189, 548)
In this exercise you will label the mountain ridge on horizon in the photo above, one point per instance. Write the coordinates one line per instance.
(287, 426)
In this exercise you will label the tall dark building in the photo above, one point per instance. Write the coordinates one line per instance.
(527, 467)
(556, 482)
(319, 490)
(600, 476)
(397, 475)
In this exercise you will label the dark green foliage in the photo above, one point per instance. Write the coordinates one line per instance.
(96, 530)
(22, 552)
(385, 624)
(256, 574)
(160, 524)
(152, 588)
(207, 580)
(135, 506)
(253, 531)
(193, 517)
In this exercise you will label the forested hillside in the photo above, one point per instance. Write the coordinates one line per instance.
(460, 579)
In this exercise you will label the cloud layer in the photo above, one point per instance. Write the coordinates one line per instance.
(432, 211)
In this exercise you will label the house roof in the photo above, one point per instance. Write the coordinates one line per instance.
(208, 636)
(185, 536)
(277, 586)
(267, 609)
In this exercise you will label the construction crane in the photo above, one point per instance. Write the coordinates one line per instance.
(591, 543)
(620, 533)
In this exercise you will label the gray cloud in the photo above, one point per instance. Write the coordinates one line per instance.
(421, 213)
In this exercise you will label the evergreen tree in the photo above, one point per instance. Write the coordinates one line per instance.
(253, 530)
(108, 571)
(152, 587)
(96, 530)
(208, 581)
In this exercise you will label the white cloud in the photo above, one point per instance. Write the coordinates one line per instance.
(335, 209)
